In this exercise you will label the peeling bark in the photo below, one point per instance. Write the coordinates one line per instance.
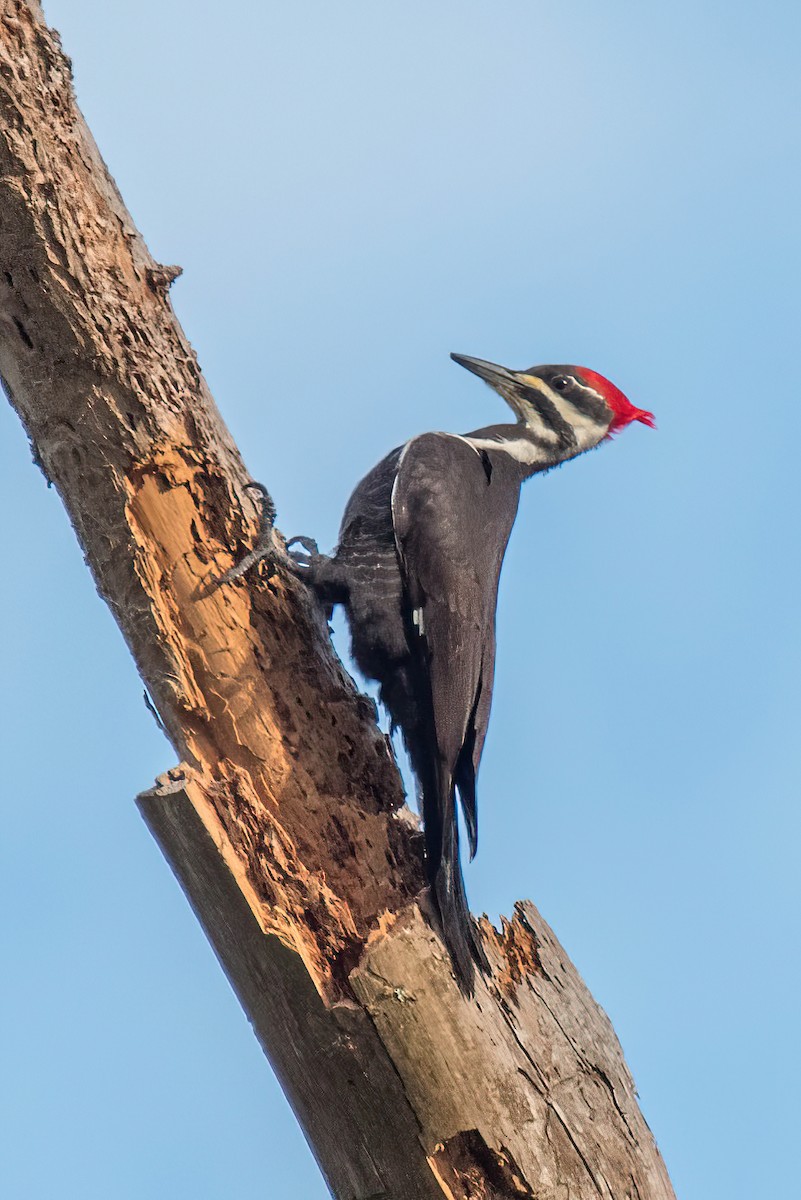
(284, 822)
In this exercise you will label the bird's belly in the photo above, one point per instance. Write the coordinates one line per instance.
(374, 609)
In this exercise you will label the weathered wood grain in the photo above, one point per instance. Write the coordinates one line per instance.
(329, 1058)
(284, 823)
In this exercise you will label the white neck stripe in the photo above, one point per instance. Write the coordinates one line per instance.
(521, 449)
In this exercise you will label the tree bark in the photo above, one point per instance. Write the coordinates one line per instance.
(284, 821)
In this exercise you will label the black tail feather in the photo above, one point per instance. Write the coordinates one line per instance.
(459, 931)
(438, 785)
(465, 775)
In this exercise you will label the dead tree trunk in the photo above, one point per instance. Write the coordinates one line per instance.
(284, 822)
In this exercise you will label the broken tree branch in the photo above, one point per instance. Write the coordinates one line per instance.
(284, 821)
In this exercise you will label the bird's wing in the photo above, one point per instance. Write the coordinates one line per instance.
(452, 517)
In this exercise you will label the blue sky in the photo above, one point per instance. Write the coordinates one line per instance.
(353, 191)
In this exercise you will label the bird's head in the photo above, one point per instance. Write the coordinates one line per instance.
(555, 400)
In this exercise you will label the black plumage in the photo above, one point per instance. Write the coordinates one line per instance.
(417, 568)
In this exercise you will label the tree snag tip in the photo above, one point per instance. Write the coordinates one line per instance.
(161, 278)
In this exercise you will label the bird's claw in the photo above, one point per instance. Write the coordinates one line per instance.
(267, 511)
(304, 557)
(264, 548)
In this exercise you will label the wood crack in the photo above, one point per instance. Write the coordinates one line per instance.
(285, 823)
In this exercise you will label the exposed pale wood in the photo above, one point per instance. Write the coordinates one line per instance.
(285, 823)
(124, 426)
(347, 1094)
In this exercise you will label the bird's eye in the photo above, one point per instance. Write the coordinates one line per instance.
(562, 383)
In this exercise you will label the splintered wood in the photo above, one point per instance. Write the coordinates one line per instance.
(284, 748)
(284, 821)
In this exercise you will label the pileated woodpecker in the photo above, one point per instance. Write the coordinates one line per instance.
(417, 566)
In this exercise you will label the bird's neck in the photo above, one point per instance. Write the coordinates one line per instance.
(528, 449)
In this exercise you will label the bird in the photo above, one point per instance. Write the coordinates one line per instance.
(417, 567)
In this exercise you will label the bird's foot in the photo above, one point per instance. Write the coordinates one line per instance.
(264, 550)
(318, 572)
(267, 510)
(305, 558)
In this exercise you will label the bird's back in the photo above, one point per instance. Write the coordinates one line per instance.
(419, 555)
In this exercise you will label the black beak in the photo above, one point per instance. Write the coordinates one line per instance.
(515, 388)
(491, 373)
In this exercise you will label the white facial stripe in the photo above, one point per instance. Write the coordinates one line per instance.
(528, 414)
(534, 422)
(588, 432)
